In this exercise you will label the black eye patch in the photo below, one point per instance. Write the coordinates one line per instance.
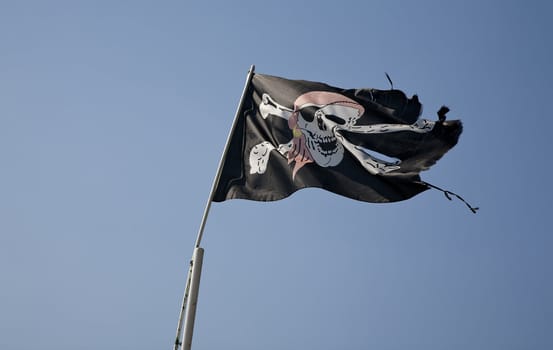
(308, 113)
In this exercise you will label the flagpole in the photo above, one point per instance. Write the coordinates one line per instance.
(224, 155)
(194, 281)
(178, 342)
(190, 297)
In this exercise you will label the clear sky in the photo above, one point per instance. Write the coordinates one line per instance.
(113, 117)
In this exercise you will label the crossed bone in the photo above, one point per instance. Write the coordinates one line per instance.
(259, 155)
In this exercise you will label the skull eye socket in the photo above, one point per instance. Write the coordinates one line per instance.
(335, 119)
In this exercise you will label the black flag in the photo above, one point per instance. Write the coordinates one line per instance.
(364, 144)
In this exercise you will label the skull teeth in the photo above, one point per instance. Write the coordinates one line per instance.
(326, 145)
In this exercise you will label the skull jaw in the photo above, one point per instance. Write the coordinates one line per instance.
(326, 158)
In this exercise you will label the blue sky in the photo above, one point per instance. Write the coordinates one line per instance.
(113, 116)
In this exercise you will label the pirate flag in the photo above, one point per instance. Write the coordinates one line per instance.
(364, 144)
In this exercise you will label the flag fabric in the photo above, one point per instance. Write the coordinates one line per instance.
(365, 144)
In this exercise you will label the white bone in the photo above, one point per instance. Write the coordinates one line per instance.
(285, 148)
(268, 106)
(372, 164)
(259, 155)
(421, 126)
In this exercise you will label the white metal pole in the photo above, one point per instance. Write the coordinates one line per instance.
(178, 343)
(192, 298)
